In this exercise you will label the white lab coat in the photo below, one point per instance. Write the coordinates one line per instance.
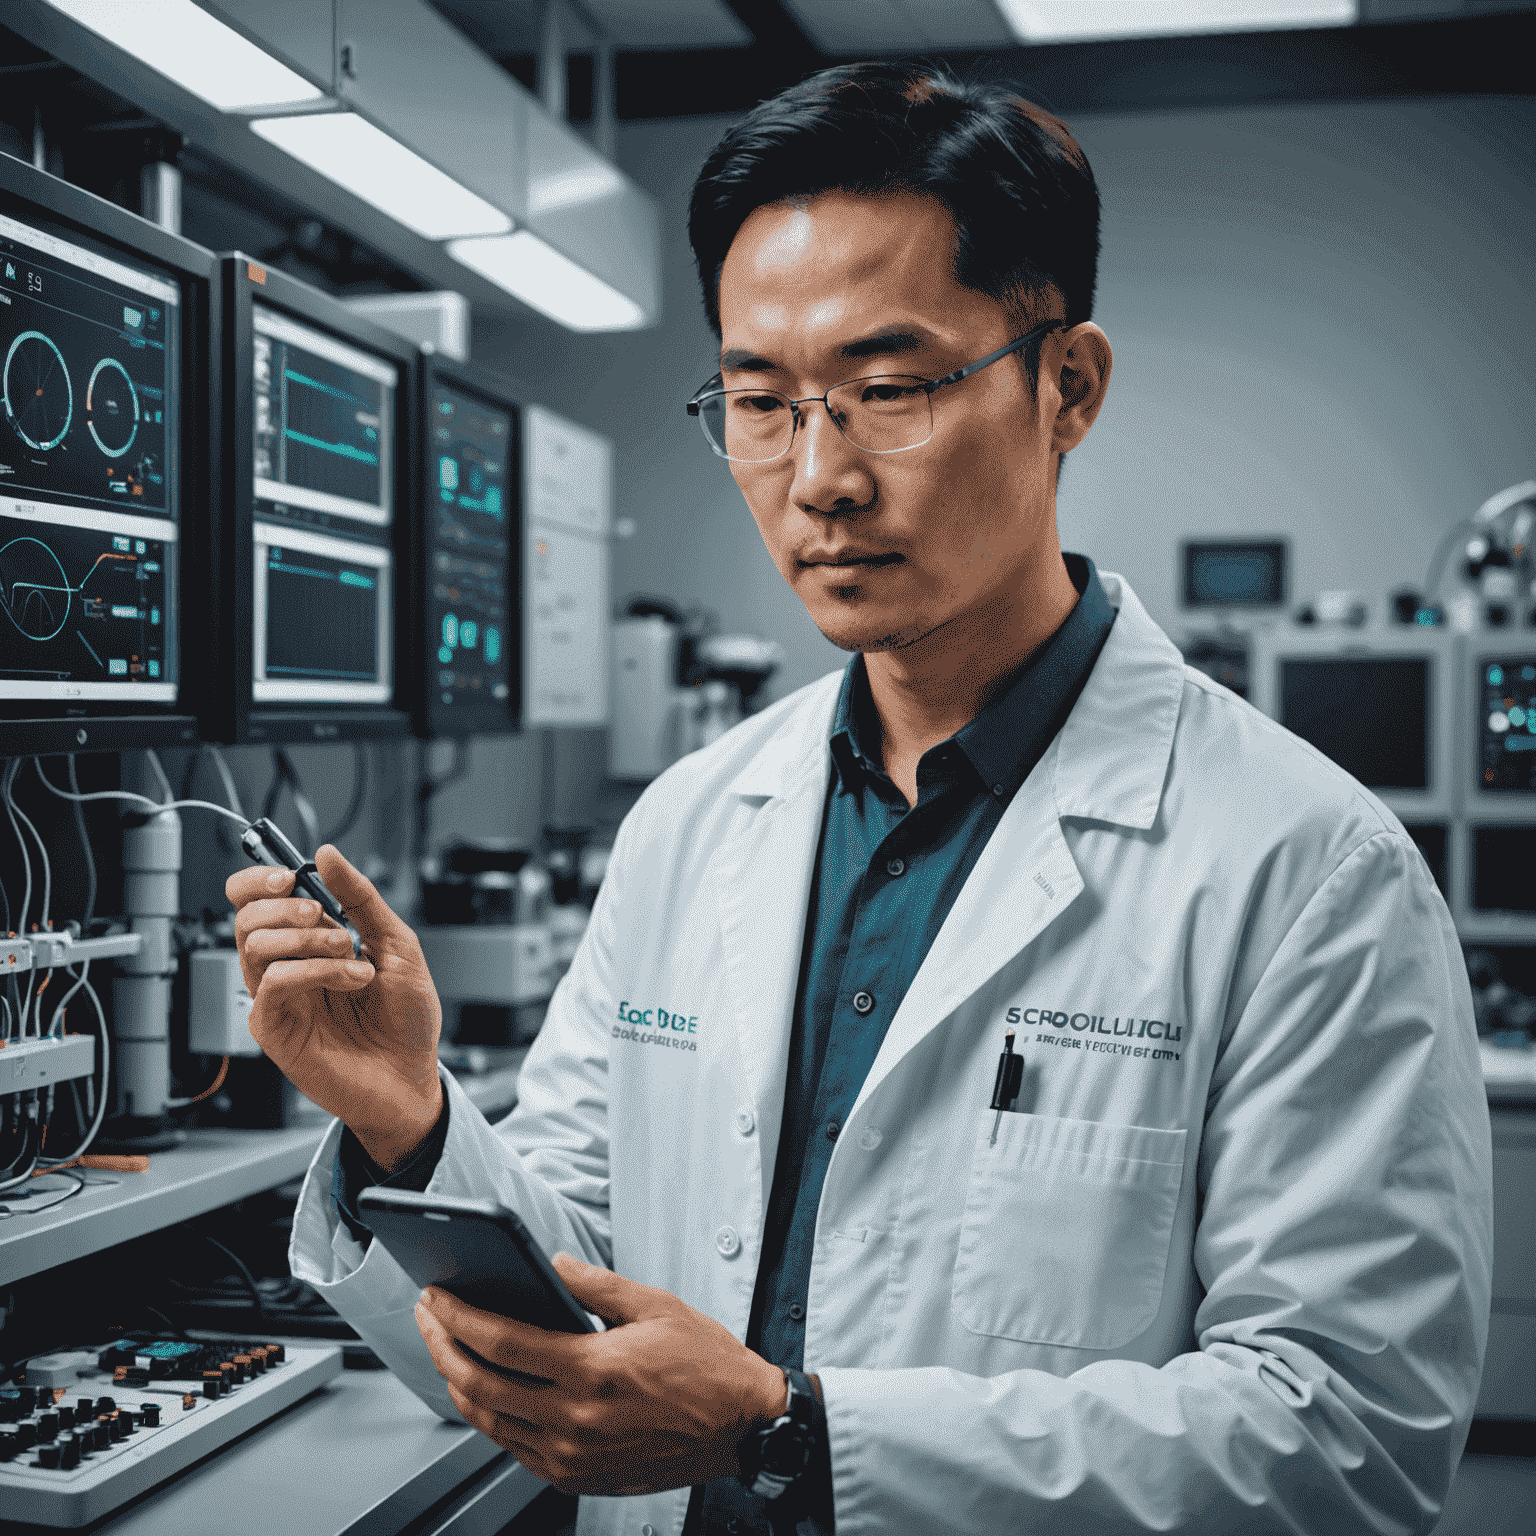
(1228, 1267)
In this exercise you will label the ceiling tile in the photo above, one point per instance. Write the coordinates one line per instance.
(512, 26)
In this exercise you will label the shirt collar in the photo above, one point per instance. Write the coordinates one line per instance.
(1006, 740)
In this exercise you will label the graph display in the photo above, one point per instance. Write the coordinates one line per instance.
(88, 447)
(323, 610)
(469, 554)
(323, 423)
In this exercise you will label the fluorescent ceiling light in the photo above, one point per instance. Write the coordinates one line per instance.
(1073, 21)
(567, 189)
(371, 165)
(553, 284)
(187, 45)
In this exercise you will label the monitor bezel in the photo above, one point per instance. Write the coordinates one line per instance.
(429, 718)
(228, 710)
(108, 725)
(1442, 800)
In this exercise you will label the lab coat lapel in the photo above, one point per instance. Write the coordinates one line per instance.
(1107, 764)
(761, 882)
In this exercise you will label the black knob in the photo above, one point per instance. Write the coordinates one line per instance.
(26, 1435)
(47, 1425)
(10, 1446)
(10, 1408)
(49, 1455)
(125, 1418)
(279, 1354)
(101, 1434)
(69, 1453)
(85, 1410)
(105, 1405)
(28, 1397)
(66, 1416)
(211, 1387)
(150, 1414)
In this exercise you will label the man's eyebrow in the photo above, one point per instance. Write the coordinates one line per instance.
(881, 344)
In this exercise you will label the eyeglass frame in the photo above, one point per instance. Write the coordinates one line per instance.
(1039, 333)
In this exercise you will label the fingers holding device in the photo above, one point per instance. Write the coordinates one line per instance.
(265, 842)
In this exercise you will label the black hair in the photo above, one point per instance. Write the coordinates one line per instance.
(1015, 181)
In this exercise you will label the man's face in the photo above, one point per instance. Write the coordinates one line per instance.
(887, 549)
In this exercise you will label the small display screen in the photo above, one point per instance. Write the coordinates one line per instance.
(468, 518)
(1507, 724)
(89, 424)
(1370, 714)
(324, 501)
(1502, 861)
(1235, 573)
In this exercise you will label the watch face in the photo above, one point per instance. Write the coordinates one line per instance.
(785, 1451)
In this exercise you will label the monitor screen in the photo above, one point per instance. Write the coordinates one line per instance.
(469, 518)
(1507, 724)
(89, 449)
(1370, 714)
(323, 611)
(1234, 573)
(1502, 860)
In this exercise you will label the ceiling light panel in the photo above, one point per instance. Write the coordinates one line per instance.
(350, 151)
(891, 26)
(184, 43)
(1076, 21)
(529, 269)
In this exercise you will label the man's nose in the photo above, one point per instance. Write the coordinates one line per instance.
(830, 473)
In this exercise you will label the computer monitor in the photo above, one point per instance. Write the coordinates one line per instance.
(104, 326)
(1235, 573)
(1380, 703)
(1498, 754)
(461, 647)
(318, 470)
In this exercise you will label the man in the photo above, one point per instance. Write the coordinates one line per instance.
(1214, 1254)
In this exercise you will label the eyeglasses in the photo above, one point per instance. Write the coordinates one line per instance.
(886, 413)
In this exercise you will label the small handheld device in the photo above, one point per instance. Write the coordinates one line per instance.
(264, 841)
(476, 1250)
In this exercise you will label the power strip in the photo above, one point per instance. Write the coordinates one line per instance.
(94, 1427)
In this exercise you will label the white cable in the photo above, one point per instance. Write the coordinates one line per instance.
(144, 800)
(42, 852)
(231, 794)
(165, 783)
(12, 769)
(106, 1081)
(58, 1008)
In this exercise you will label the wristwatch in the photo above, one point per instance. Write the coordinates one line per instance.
(776, 1457)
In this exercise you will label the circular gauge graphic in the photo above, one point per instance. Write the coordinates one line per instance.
(39, 399)
(112, 408)
(34, 590)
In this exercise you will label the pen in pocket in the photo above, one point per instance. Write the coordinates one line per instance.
(1010, 1078)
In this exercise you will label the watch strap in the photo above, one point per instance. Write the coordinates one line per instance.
(797, 1424)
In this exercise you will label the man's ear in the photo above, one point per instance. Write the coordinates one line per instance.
(1082, 360)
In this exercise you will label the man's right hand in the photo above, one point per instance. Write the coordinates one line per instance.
(358, 1036)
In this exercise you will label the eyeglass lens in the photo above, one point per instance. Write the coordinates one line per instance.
(880, 415)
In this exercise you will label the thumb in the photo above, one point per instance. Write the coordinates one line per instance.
(610, 1296)
(368, 912)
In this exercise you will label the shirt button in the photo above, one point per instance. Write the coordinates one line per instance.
(998, 790)
(863, 1002)
(796, 1311)
(832, 1129)
(746, 1121)
(727, 1242)
(895, 867)
(647, 1530)
(870, 1138)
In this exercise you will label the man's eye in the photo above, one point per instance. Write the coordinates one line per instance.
(759, 405)
(887, 394)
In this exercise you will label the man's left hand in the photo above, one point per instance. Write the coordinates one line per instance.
(661, 1400)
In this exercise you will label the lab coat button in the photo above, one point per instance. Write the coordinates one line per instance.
(746, 1121)
(796, 1311)
(647, 1530)
(863, 1002)
(727, 1242)
(832, 1129)
(870, 1138)
(895, 867)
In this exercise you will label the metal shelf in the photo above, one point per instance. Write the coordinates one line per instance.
(212, 1168)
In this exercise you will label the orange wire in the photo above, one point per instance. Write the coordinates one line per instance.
(214, 1086)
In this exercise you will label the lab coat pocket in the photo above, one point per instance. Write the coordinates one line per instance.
(1065, 1234)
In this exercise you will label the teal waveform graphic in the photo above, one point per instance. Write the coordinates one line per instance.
(35, 590)
(342, 450)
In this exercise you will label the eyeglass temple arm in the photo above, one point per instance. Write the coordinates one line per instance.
(702, 390)
(1037, 334)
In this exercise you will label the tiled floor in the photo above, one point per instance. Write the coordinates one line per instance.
(1492, 1496)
